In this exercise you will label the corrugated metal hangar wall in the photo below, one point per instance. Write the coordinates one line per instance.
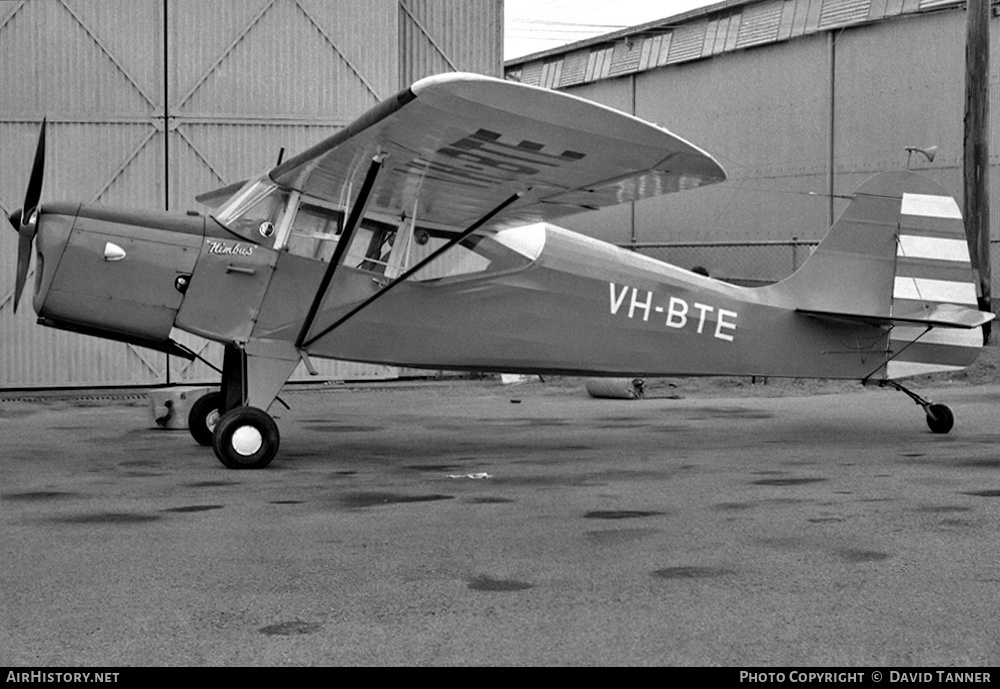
(151, 102)
(762, 85)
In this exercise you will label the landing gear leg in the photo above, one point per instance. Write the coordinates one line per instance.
(207, 409)
(242, 436)
(940, 418)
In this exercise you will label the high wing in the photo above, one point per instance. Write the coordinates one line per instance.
(458, 144)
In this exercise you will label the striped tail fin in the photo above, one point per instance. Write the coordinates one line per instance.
(934, 282)
(898, 258)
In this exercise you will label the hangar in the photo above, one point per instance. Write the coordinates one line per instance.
(800, 101)
(151, 102)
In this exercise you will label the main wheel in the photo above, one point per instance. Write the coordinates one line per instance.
(204, 416)
(245, 438)
(939, 418)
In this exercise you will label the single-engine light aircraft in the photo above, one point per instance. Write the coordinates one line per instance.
(420, 235)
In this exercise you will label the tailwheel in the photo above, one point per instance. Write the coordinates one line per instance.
(204, 416)
(940, 418)
(245, 438)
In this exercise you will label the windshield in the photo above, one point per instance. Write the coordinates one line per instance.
(255, 211)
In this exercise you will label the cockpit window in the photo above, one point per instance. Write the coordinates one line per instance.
(315, 231)
(372, 246)
(386, 246)
(465, 258)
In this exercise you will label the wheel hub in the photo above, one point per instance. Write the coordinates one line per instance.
(247, 440)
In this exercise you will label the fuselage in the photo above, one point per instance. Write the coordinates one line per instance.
(558, 303)
(535, 298)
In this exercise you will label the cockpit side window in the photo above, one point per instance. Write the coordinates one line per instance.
(372, 246)
(315, 231)
(382, 245)
(464, 258)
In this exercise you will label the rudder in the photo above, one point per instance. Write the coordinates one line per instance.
(898, 257)
(933, 272)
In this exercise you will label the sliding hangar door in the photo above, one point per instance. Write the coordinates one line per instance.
(151, 102)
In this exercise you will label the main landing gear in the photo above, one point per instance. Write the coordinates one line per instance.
(940, 418)
(246, 438)
(243, 437)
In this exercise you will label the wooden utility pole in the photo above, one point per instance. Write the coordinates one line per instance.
(976, 150)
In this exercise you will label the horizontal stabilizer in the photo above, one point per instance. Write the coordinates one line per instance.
(936, 316)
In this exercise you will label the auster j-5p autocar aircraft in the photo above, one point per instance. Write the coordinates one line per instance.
(419, 236)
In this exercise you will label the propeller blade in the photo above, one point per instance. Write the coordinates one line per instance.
(34, 192)
(25, 221)
(23, 259)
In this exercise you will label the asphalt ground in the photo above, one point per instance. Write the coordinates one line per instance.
(471, 523)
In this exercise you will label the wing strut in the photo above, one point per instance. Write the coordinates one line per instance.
(353, 220)
(452, 242)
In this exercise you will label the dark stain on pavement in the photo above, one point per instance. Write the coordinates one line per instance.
(106, 518)
(290, 628)
(787, 481)
(629, 424)
(433, 467)
(36, 495)
(988, 493)
(700, 413)
(522, 422)
(372, 499)
(488, 583)
(193, 508)
(690, 572)
(488, 500)
(621, 514)
(982, 463)
(543, 423)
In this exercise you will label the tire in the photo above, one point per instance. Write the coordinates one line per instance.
(940, 419)
(245, 438)
(204, 417)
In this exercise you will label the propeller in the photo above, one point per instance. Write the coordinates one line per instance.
(25, 219)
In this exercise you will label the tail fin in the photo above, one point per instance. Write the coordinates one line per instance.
(898, 257)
